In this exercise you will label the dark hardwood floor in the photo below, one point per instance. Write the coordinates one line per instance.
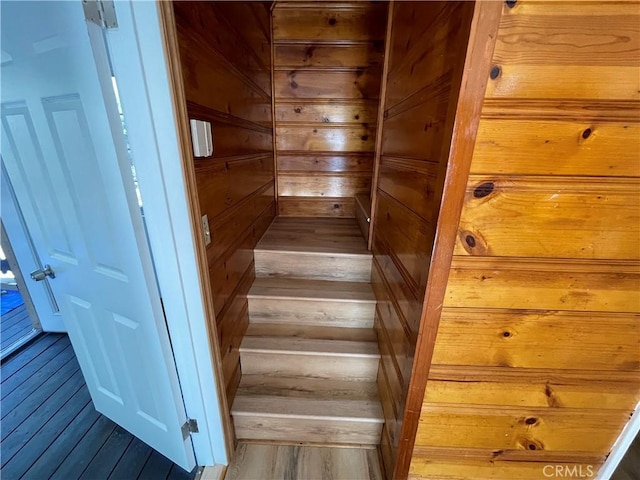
(50, 429)
(14, 325)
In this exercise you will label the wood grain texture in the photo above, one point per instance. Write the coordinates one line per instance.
(314, 236)
(557, 147)
(530, 387)
(355, 111)
(379, 127)
(433, 463)
(227, 182)
(325, 138)
(544, 284)
(348, 360)
(427, 48)
(561, 217)
(326, 185)
(326, 162)
(326, 266)
(327, 78)
(333, 207)
(364, 22)
(250, 21)
(310, 358)
(330, 83)
(226, 44)
(512, 428)
(536, 357)
(311, 302)
(408, 238)
(292, 56)
(512, 338)
(227, 82)
(281, 461)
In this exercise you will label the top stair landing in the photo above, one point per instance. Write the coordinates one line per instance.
(314, 249)
(318, 235)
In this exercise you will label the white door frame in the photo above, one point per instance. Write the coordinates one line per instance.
(136, 50)
(621, 445)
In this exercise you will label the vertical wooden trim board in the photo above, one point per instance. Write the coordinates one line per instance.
(482, 37)
(168, 26)
(273, 111)
(381, 109)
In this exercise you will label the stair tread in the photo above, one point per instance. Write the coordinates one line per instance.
(302, 289)
(309, 346)
(358, 410)
(310, 340)
(312, 332)
(306, 387)
(314, 236)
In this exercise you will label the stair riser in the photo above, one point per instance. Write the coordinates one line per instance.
(348, 268)
(315, 366)
(311, 312)
(307, 430)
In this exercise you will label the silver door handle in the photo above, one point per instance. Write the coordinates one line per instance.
(39, 275)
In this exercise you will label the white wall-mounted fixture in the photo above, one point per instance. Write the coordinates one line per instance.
(201, 138)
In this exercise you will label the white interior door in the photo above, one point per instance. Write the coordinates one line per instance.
(64, 151)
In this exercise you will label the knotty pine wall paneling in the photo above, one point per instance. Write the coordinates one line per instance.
(428, 44)
(225, 53)
(537, 355)
(327, 74)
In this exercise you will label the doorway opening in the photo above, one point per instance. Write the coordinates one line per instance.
(18, 319)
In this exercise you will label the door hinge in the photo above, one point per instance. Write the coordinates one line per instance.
(189, 427)
(100, 12)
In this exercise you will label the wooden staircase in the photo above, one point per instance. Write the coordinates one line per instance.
(310, 358)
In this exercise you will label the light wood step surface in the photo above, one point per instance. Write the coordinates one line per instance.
(305, 387)
(311, 302)
(316, 352)
(307, 410)
(313, 248)
(253, 461)
(301, 289)
(310, 358)
(318, 235)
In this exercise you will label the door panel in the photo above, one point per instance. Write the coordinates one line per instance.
(65, 154)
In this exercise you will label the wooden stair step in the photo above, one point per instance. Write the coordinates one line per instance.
(311, 302)
(344, 267)
(307, 410)
(304, 351)
(314, 248)
(305, 387)
(311, 332)
(301, 289)
(320, 235)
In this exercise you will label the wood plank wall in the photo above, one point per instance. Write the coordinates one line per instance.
(327, 73)
(225, 53)
(427, 54)
(537, 356)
